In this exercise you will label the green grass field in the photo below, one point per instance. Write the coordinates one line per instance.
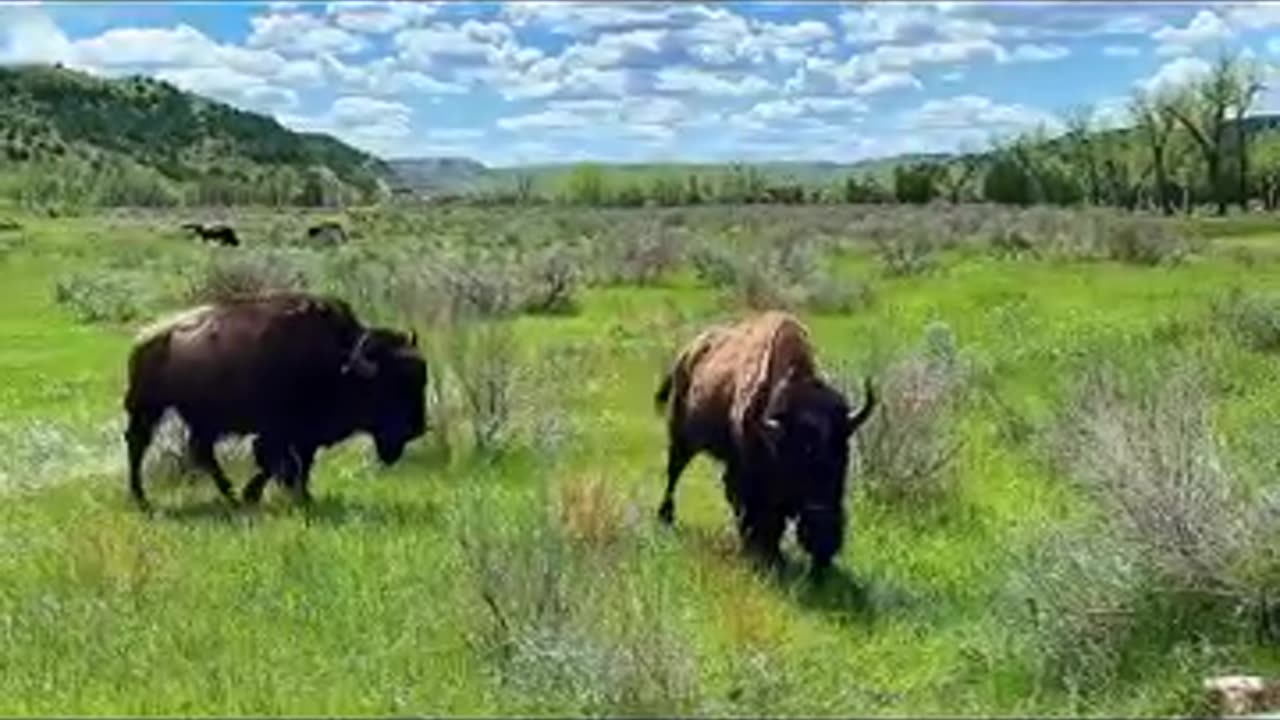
(537, 580)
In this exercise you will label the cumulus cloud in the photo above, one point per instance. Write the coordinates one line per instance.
(372, 124)
(966, 112)
(232, 86)
(1174, 74)
(385, 77)
(302, 33)
(379, 18)
(28, 35)
(655, 118)
(885, 82)
(1204, 29)
(688, 80)
(1027, 52)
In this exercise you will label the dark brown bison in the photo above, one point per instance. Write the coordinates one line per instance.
(327, 233)
(751, 396)
(221, 234)
(298, 371)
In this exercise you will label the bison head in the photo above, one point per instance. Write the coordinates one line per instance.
(391, 377)
(807, 427)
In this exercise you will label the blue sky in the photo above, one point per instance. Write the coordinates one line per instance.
(521, 82)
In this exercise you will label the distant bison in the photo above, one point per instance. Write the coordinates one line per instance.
(750, 395)
(327, 233)
(221, 234)
(298, 371)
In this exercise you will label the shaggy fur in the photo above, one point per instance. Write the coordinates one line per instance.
(751, 396)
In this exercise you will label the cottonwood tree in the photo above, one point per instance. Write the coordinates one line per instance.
(1156, 126)
(1206, 107)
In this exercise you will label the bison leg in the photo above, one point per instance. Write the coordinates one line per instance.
(265, 456)
(138, 436)
(298, 475)
(678, 457)
(761, 533)
(202, 452)
(760, 524)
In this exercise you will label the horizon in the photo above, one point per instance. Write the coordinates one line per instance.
(553, 83)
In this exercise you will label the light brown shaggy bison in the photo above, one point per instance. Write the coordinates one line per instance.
(750, 395)
(298, 371)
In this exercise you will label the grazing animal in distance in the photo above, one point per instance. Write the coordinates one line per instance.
(221, 234)
(297, 371)
(327, 233)
(751, 396)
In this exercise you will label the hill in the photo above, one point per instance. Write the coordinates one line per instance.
(441, 174)
(169, 141)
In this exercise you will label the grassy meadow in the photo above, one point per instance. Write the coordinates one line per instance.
(1064, 505)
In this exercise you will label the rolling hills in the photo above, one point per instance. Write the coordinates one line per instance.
(149, 130)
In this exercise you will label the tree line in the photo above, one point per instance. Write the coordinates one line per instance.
(1185, 146)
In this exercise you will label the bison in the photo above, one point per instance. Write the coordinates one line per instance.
(750, 395)
(327, 233)
(297, 371)
(221, 234)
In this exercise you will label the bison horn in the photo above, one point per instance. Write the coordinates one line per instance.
(358, 362)
(413, 338)
(856, 419)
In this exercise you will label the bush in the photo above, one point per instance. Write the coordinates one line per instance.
(227, 275)
(563, 627)
(1252, 318)
(907, 445)
(909, 253)
(103, 296)
(484, 360)
(1148, 458)
(551, 281)
(1149, 242)
(1176, 550)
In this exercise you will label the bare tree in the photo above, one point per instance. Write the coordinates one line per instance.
(1081, 149)
(1156, 126)
(957, 175)
(1202, 109)
(1248, 81)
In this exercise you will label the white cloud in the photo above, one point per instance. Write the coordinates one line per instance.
(232, 86)
(386, 77)
(1253, 15)
(377, 126)
(972, 112)
(1174, 74)
(1029, 53)
(1205, 28)
(379, 18)
(28, 35)
(303, 34)
(885, 82)
(700, 82)
(874, 23)
(1111, 113)
(470, 43)
(1121, 51)
(655, 118)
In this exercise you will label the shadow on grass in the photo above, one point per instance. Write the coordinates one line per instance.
(839, 594)
(334, 510)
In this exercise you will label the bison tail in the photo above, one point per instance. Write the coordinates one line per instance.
(663, 394)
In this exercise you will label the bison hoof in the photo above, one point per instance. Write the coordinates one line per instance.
(667, 512)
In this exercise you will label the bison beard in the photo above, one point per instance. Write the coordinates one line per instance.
(750, 396)
(297, 371)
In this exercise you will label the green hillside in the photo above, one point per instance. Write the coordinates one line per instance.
(161, 145)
